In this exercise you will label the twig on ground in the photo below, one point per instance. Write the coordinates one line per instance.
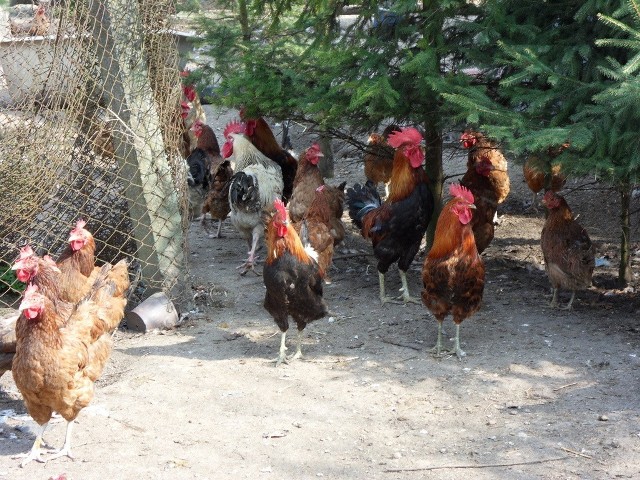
(481, 465)
(400, 344)
(565, 386)
(575, 453)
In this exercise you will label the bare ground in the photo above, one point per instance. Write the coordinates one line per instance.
(541, 394)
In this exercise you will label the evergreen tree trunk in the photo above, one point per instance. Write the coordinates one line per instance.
(326, 162)
(243, 18)
(433, 167)
(624, 272)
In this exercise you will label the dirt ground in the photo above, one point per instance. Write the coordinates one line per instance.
(541, 394)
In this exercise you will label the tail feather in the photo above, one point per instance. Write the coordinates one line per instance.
(361, 199)
(243, 192)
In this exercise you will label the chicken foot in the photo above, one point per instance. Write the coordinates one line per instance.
(405, 290)
(437, 349)
(36, 451)
(383, 297)
(298, 353)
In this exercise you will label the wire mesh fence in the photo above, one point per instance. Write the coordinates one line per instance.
(90, 128)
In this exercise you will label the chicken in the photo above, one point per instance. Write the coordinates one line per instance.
(292, 279)
(569, 255)
(396, 227)
(315, 229)
(216, 203)
(61, 349)
(308, 179)
(38, 25)
(202, 157)
(262, 137)
(453, 271)
(476, 179)
(45, 274)
(79, 255)
(482, 149)
(255, 185)
(192, 112)
(378, 158)
(540, 173)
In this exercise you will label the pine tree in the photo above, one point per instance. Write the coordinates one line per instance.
(547, 82)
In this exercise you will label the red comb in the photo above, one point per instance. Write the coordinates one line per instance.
(279, 204)
(81, 224)
(320, 188)
(234, 126)
(25, 252)
(463, 193)
(408, 135)
(31, 290)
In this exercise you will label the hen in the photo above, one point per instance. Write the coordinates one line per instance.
(253, 189)
(38, 25)
(453, 271)
(315, 229)
(477, 180)
(396, 227)
(61, 349)
(292, 279)
(262, 137)
(481, 149)
(378, 158)
(540, 173)
(216, 203)
(569, 255)
(308, 179)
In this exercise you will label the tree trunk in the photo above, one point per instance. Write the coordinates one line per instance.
(433, 167)
(624, 271)
(326, 162)
(243, 18)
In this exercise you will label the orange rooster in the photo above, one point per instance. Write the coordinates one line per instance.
(262, 137)
(453, 271)
(378, 158)
(292, 279)
(540, 174)
(396, 227)
(315, 229)
(569, 255)
(477, 180)
(61, 349)
(216, 203)
(482, 149)
(308, 179)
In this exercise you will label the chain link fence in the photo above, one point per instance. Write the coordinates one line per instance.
(90, 128)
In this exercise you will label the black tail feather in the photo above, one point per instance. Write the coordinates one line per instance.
(361, 199)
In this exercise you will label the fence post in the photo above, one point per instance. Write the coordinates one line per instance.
(151, 193)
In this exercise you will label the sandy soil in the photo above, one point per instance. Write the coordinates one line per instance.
(542, 394)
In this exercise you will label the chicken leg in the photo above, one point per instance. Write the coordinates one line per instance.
(383, 297)
(250, 262)
(282, 356)
(65, 451)
(405, 290)
(298, 353)
(437, 349)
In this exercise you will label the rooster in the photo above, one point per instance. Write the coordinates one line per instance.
(569, 255)
(481, 149)
(202, 157)
(292, 279)
(262, 137)
(396, 227)
(253, 189)
(540, 174)
(61, 349)
(216, 203)
(378, 158)
(308, 179)
(453, 271)
(477, 180)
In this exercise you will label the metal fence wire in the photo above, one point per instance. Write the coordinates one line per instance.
(90, 128)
